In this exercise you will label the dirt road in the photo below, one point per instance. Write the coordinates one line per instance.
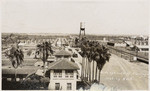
(125, 75)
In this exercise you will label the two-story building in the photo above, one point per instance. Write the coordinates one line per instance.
(63, 75)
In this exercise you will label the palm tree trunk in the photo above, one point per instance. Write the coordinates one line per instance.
(93, 71)
(17, 58)
(90, 71)
(82, 73)
(96, 72)
(43, 57)
(15, 74)
(99, 75)
(85, 67)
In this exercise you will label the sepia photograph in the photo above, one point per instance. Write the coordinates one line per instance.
(75, 45)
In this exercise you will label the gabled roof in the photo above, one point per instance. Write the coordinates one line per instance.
(63, 64)
(62, 53)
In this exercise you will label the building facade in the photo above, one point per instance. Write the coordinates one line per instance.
(63, 75)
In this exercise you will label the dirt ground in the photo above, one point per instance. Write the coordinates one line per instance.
(125, 75)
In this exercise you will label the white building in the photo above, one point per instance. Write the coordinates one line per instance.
(63, 75)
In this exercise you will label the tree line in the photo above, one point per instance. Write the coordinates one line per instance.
(92, 51)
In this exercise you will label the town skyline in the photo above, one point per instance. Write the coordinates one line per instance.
(61, 62)
(49, 33)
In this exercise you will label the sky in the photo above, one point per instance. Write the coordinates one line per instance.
(64, 16)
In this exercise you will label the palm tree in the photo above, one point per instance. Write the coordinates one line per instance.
(15, 54)
(83, 59)
(92, 51)
(44, 49)
(39, 50)
(44, 54)
(89, 54)
(96, 59)
(19, 56)
(93, 54)
(83, 46)
(104, 57)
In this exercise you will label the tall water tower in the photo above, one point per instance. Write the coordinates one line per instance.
(82, 30)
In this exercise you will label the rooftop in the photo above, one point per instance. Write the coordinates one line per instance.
(23, 70)
(63, 64)
(62, 53)
(117, 41)
(51, 57)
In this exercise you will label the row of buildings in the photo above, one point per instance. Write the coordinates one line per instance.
(140, 42)
(63, 73)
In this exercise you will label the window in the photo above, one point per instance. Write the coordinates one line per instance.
(17, 79)
(69, 87)
(9, 79)
(57, 86)
(144, 49)
(57, 73)
(69, 73)
(58, 56)
(66, 56)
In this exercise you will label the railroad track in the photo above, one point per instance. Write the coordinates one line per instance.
(123, 52)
